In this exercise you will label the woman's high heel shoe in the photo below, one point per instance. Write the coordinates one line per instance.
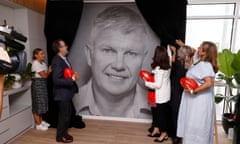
(162, 140)
(155, 135)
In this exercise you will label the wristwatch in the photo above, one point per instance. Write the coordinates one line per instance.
(73, 78)
(193, 92)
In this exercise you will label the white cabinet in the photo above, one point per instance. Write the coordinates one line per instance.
(17, 113)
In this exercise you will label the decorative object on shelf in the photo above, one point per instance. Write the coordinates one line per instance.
(27, 74)
(12, 81)
(230, 74)
(8, 81)
(17, 81)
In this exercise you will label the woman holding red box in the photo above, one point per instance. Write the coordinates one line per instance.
(196, 113)
(161, 69)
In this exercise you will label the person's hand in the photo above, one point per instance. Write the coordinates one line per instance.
(144, 79)
(173, 48)
(75, 76)
(146, 75)
(187, 88)
(193, 50)
(145, 83)
(180, 42)
(188, 62)
(173, 52)
(49, 69)
(191, 91)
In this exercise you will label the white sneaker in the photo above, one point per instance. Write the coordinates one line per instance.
(45, 124)
(41, 127)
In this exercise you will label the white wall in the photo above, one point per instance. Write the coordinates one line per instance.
(27, 22)
(6, 13)
(36, 37)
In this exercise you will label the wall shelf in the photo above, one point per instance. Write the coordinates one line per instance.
(17, 108)
(15, 91)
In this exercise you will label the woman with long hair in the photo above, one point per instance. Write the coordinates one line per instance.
(161, 69)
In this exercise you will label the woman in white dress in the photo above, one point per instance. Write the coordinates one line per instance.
(196, 114)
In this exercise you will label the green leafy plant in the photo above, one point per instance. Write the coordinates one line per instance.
(230, 73)
(27, 74)
(8, 81)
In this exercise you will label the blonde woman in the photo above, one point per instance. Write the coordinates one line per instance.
(196, 114)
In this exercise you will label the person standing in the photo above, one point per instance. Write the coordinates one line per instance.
(39, 89)
(196, 113)
(161, 69)
(179, 69)
(63, 90)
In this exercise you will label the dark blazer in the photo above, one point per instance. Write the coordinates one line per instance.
(63, 88)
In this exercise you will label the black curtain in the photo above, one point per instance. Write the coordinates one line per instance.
(167, 18)
(61, 21)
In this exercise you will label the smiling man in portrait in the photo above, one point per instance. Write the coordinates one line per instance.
(115, 54)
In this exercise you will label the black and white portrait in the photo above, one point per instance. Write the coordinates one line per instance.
(112, 45)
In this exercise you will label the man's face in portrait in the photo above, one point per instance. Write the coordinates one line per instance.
(116, 59)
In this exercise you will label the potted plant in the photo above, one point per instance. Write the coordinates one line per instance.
(27, 74)
(23, 78)
(8, 81)
(230, 74)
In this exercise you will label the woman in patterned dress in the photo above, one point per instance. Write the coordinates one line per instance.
(39, 88)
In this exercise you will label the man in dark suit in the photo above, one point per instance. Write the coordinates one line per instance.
(63, 90)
